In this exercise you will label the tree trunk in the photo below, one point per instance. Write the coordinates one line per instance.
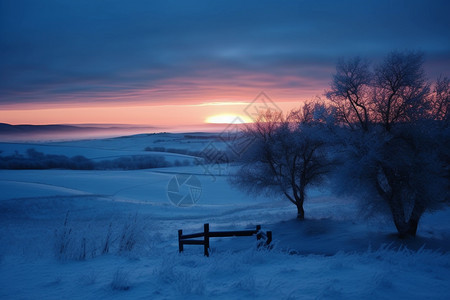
(416, 214)
(300, 211)
(398, 215)
(402, 228)
(412, 230)
(300, 199)
(407, 229)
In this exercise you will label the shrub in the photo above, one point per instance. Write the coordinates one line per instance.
(38, 160)
(120, 281)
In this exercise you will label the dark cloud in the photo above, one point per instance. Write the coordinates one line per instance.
(85, 50)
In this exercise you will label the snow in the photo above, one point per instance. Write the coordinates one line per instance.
(334, 254)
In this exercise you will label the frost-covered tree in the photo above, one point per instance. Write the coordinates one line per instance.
(401, 91)
(288, 155)
(350, 92)
(398, 173)
(399, 163)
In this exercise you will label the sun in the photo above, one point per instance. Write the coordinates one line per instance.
(228, 119)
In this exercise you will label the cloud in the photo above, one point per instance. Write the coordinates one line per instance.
(164, 51)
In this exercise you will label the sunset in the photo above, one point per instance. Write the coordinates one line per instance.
(228, 119)
(169, 63)
(224, 149)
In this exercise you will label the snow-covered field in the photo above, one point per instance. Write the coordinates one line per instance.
(71, 234)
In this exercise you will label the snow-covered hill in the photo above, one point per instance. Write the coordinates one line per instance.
(55, 224)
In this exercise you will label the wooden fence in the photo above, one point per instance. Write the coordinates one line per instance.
(189, 239)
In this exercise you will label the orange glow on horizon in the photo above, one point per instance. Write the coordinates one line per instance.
(228, 119)
(174, 103)
(170, 115)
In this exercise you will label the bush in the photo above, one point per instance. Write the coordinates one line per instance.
(129, 235)
(80, 241)
(135, 162)
(40, 161)
(73, 245)
(120, 281)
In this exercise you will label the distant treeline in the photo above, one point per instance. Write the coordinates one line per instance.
(207, 155)
(37, 160)
(174, 150)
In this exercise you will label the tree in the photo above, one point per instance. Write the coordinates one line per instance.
(287, 157)
(440, 111)
(399, 161)
(401, 90)
(349, 92)
(398, 173)
(440, 104)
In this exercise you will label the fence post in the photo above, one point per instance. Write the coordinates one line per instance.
(180, 243)
(206, 238)
(269, 237)
(258, 234)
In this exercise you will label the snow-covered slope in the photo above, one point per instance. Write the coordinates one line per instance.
(55, 224)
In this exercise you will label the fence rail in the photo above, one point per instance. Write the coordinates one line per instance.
(189, 239)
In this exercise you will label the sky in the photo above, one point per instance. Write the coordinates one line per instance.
(178, 63)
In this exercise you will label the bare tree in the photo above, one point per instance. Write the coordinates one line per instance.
(440, 113)
(288, 156)
(440, 106)
(398, 172)
(401, 160)
(350, 92)
(400, 89)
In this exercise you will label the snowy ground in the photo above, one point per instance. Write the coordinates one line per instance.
(54, 225)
